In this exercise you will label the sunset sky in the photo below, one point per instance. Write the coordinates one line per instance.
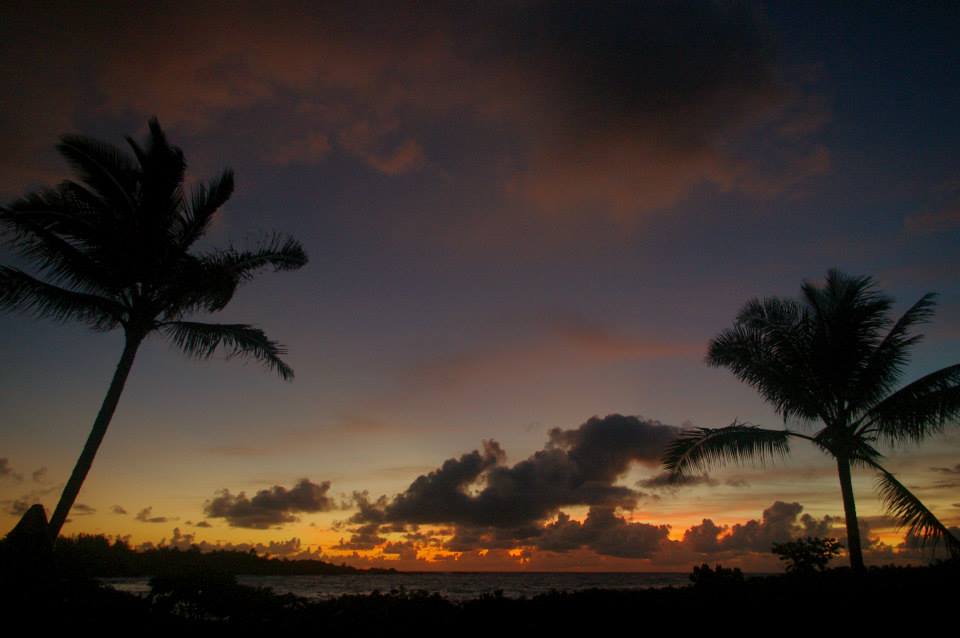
(521, 217)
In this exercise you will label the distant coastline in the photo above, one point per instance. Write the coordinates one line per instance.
(97, 556)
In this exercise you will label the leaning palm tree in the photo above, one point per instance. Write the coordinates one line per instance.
(832, 358)
(116, 248)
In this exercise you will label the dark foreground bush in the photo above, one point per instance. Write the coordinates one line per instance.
(881, 599)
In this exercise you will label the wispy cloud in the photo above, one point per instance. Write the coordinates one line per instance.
(608, 118)
(941, 220)
(146, 516)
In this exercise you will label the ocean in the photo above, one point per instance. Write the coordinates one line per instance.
(453, 585)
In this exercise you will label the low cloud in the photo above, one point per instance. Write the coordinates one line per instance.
(575, 467)
(949, 479)
(365, 537)
(308, 149)
(235, 450)
(953, 471)
(290, 548)
(493, 505)
(942, 220)
(779, 523)
(664, 481)
(39, 475)
(146, 516)
(81, 509)
(918, 545)
(116, 509)
(18, 506)
(604, 533)
(7, 472)
(271, 507)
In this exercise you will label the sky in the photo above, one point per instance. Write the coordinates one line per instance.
(525, 222)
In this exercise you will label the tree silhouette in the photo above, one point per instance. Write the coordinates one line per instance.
(116, 249)
(807, 555)
(834, 356)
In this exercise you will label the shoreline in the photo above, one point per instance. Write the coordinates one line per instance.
(217, 601)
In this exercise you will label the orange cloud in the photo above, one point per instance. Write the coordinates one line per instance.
(621, 117)
(555, 344)
(308, 149)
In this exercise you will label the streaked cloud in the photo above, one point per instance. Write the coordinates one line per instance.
(605, 114)
(7, 472)
(146, 516)
(938, 221)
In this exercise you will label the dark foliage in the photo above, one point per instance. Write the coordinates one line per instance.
(834, 357)
(805, 555)
(90, 555)
(118, 247)
(703, 576)
(215, 602)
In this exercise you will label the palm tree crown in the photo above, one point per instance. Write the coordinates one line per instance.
(117, 248)
(834, 357)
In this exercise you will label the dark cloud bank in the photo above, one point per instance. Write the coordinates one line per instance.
(478, 502)
(618, 107)
(146, 516)
(488, 504)
(271, 507)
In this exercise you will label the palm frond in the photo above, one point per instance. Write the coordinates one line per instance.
(106, 169)
(202, 340)
(161, 174)
(192, 285)
(848, 319)
(205, 200)
(21, 292)
(914, 515)
(918, 409)
(279, 251)
(697, 449)
(858, 451)
(884, 365)
(767, 348)
(58, 258)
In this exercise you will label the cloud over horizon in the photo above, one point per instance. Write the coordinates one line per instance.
(7, 472)
(491, 504)
(270, 507)
(146, 516)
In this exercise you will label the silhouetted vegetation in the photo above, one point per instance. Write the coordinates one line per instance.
(834, 356)
(117, 248)
(211, 601)
(805, 555)
(703, 576)
(98, 556)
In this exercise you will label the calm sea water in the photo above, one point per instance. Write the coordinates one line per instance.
(455, 586)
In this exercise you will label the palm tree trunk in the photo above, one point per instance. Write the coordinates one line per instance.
(107, 409)
(850, 511)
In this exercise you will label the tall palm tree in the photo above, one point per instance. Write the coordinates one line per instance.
(834, 358)
(116, 248)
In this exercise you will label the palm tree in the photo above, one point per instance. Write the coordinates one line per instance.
(833, 357)
(117, 249)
